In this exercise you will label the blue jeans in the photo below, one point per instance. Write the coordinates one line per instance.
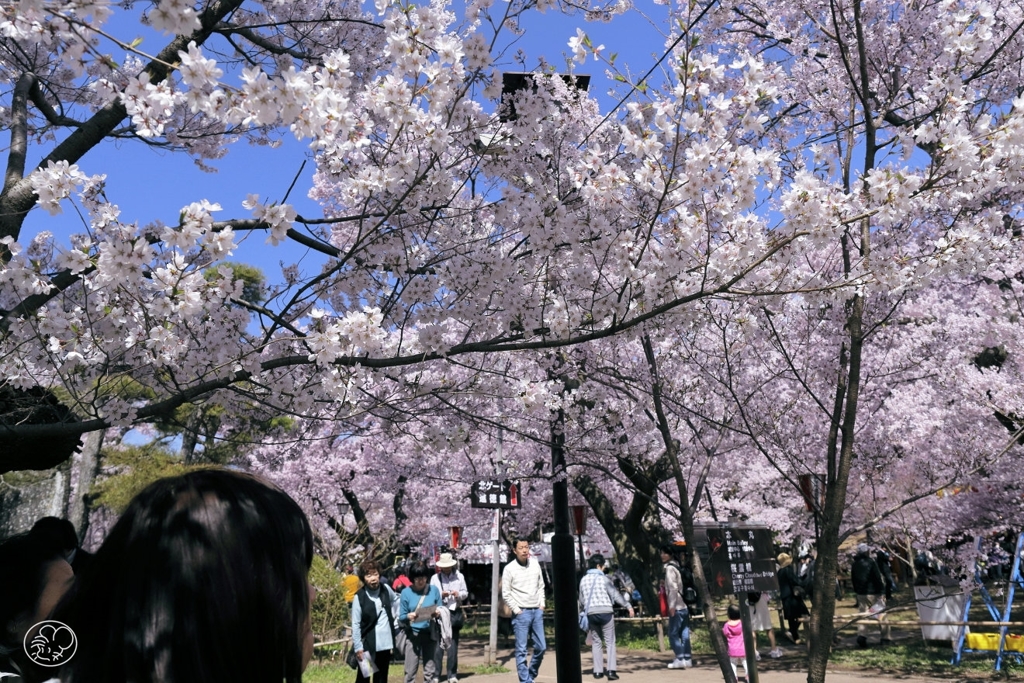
(529, 623)
(679, 633)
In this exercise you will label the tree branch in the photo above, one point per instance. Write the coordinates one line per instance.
(18, 198)
(19, 130)
(44, 107)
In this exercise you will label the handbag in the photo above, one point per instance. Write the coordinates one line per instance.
(401, 641)
(504, 611)
(584, 620)
(402, 636)
(351, 659)
(662, 601)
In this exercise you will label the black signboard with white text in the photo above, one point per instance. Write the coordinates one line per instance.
(504, 495)
(740, 560)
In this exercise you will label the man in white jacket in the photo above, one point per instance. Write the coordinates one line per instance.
(522, 588)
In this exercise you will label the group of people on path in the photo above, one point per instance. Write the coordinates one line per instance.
(419, 623)
(163, 600)
(598, 596)
(871, 580)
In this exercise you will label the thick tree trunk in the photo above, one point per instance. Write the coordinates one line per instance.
(635, 549)
(84, 469)
(686, 510)
(821, 626)
(190, 436)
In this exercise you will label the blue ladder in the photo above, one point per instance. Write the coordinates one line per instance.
(1015, 580)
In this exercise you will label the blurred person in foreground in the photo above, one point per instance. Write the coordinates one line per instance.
(34, 575)
(203, 579)
(60, 534)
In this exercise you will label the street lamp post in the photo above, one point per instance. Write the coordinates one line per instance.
(568, 668)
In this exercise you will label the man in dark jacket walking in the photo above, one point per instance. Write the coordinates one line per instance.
(869, 586)
(885, 566)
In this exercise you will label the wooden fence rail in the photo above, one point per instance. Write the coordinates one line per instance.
(476, 612)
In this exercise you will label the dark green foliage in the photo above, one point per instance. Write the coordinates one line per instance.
(254, 289)
(330, 612)
(135, 468)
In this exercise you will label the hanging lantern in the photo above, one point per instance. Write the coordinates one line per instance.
(579, 519)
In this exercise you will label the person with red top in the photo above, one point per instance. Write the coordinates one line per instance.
(401, 581)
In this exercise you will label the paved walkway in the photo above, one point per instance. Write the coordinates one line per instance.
(644, 666)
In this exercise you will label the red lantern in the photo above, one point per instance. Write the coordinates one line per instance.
(579, 519)
(456, 536)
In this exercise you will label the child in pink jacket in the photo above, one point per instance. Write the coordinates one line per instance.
(733, 631)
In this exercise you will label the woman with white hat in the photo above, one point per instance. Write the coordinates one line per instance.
(452, 584)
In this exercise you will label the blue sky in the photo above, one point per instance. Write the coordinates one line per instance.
(150, 184)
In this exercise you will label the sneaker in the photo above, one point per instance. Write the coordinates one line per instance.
(687, 663)
(776, 653)
(677, 664)
(453, 679)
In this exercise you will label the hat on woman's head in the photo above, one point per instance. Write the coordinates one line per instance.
(446, 560)
(784, 559)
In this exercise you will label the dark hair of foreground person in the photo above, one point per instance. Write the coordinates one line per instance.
(202, 580)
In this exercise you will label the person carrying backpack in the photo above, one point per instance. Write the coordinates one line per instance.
(678, 613)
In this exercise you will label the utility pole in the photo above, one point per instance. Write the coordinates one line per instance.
(568, 667)
(492, 649)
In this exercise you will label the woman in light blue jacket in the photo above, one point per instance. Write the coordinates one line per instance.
(373, 622)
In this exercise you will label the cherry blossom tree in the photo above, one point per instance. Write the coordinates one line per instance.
(449, 231)
(801, 174)
(907, 100)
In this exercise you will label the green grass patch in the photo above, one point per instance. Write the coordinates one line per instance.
(339, 672)
(917, 657)
(486, 669)
(631, 636)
